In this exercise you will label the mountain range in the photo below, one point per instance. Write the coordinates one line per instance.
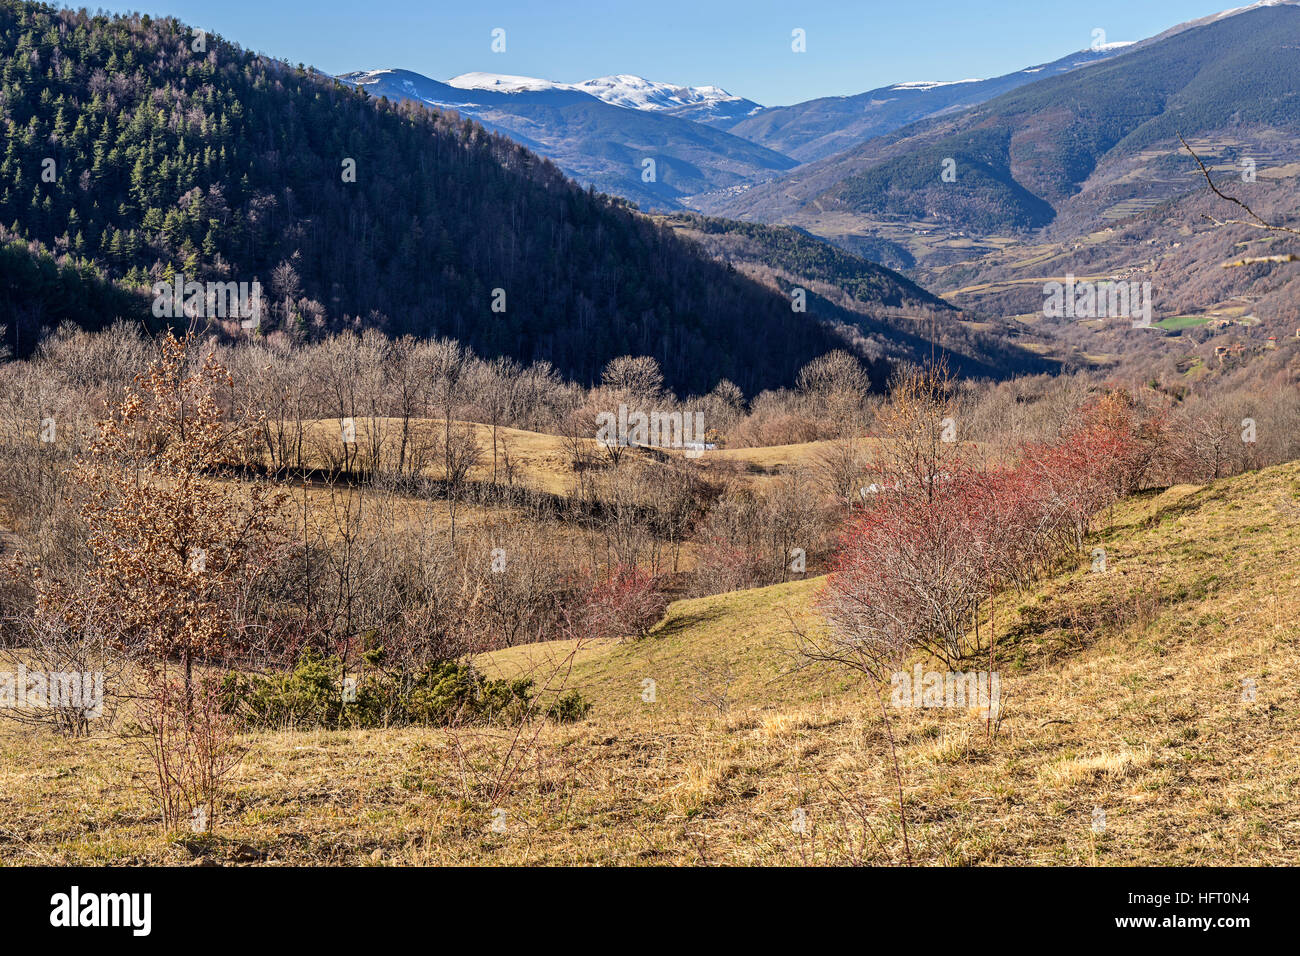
(705, 104)
(819, 128)
(1037, 153)
(605, 143)
(358, 213)
(490, 187)
(655, 154)
(858, 159)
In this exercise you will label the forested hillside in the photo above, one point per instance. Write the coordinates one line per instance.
(134, 148)
(989, 200)
(1022, 158)
(822, 127)
(805, 255)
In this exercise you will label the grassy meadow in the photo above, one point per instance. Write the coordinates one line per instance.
(1160, 693)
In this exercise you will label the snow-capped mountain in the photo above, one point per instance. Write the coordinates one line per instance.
(503, 83)
(701, 103)
(1222, 15)
(708, 143)
(928, 84)
(638, 93)
(596, 140)
(816, 129)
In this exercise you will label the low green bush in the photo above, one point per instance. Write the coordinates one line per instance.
(444, 693)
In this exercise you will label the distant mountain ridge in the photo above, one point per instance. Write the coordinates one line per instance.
(821, 127)
(741, 144)
(722, 145)
(705, 104)
(1069, 146)
(594, 140)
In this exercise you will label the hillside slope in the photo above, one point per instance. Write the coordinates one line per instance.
(1124, 691)
(801, 254)
(223, 165)
(816, 129)
(892, 318)
(1180, 246)
(1160, 693)
(1023, 158)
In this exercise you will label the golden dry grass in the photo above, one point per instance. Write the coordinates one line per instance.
(1122, 692)
(542, 460)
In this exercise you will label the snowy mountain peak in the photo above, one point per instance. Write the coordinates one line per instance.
(1215, 17)
(638, 93)
(1254, 6)
(504, 83)
(929, 84)
(621, 89)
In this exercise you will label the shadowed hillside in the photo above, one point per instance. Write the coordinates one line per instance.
(224, 165)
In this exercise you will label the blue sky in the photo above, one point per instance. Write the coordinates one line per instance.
(740, 45)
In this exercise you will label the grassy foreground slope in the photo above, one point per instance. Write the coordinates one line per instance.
(1122, 692)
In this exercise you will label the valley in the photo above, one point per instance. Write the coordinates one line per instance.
(510, 470)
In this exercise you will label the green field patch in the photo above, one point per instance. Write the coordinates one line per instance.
(1177, 322)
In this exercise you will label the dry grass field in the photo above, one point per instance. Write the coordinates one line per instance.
(542, 461)
(1123, 693)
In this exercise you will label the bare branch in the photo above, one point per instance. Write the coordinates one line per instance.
(1257, 224)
